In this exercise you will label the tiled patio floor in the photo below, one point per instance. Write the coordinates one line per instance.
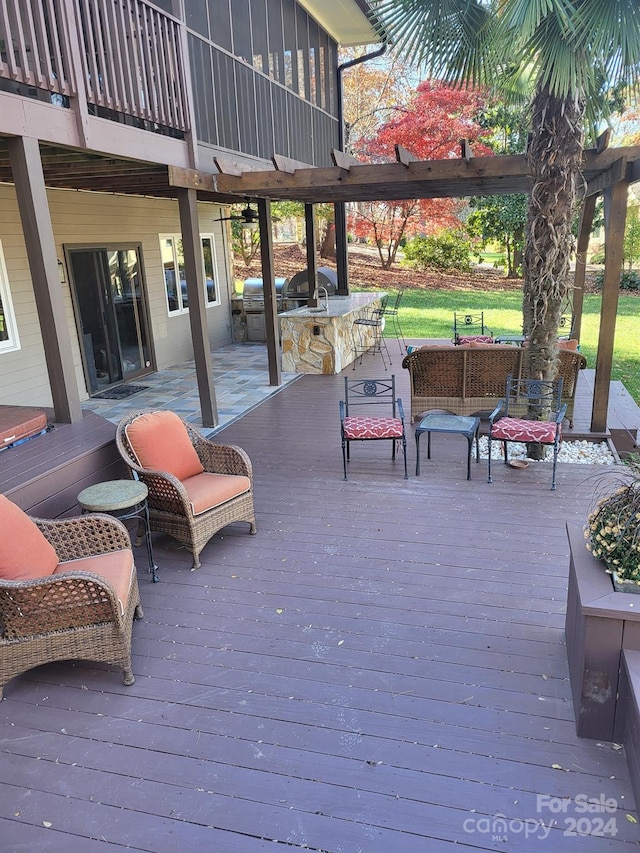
(241, 382)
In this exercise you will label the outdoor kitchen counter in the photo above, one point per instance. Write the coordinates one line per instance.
(318, 341)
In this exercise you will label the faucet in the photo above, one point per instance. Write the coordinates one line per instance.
(324, 307)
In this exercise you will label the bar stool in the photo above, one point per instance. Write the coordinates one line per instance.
(373, 340)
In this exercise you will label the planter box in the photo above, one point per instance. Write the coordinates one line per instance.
(600, 623)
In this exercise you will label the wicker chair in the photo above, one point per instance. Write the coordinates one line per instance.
(171, 509)
(74, 614)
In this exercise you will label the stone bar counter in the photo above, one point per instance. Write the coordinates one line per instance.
(315, 340)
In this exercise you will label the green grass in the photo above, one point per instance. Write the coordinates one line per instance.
(429, 314)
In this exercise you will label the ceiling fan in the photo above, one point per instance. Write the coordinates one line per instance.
(248, 216)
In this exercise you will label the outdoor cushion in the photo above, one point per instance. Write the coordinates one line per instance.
(207, 490)
(518, 429)
(571, 344)
(372, 427)
(116, 567)
(161, 443)
(474, 339)
(24, 551)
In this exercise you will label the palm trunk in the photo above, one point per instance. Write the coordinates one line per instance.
(555, 157)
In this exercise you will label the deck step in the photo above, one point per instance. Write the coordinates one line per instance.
(45, 475)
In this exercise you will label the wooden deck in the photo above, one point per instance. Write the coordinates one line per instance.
(381, 669)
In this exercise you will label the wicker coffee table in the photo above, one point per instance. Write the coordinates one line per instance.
(123, 499)
(448, 423)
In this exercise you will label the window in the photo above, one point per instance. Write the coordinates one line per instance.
(175, 282)
(8, 329)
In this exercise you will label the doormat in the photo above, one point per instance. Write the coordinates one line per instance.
(119, 392)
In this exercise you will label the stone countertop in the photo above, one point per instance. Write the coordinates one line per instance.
(339, 306)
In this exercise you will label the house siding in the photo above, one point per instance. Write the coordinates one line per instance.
(94, 220)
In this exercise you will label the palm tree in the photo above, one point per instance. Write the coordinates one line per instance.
(571, 53)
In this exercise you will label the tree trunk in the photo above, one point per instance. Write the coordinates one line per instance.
(328, 248)
(554, 155)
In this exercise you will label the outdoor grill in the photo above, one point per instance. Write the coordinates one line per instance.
(253, 305)
(296, 292)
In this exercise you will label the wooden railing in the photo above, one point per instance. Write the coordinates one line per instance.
(130, 56)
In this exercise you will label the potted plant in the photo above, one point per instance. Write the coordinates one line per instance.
(613, 529)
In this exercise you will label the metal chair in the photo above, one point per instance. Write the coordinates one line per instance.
(368, 334)
(531, 412)
(470, 328)
(380, 416)
(392, 311)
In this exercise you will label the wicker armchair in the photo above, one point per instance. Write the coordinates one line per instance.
(72, 614)
(170, 501)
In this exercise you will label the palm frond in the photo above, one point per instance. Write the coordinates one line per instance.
(610, 31)
(450, 39)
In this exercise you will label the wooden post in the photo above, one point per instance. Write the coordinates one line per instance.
(269, 290)
(586, 222)
(312, 255)
(194, 272)
(615, 214)
(26, 165)
(342, 248)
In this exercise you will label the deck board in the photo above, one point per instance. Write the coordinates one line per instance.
(382, 662)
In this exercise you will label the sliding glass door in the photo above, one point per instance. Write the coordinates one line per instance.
(110, 299)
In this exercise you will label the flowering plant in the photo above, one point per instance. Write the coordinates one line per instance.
(613, 528)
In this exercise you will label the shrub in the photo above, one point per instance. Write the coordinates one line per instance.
(449, 251)
(613, 527)
(629, 280)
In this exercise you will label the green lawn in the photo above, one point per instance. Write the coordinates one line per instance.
(429, 314)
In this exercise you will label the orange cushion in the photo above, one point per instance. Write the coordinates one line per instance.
(24, 551)
(208, 490)
(161, 443)
(116, 567)
(571, 344)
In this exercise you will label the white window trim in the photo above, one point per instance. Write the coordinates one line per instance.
(214, 262)
(13, 342)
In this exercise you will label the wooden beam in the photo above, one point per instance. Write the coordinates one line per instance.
(615, 199)
(465, 150)
(269, 290)
(234, 166)
(190, 179)
(344, 161)
(403, 156)
(616, 172)
(286, 164)
(194, 275)
(602, 142)
(365, 181)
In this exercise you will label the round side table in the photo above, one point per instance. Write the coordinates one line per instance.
(123, 499)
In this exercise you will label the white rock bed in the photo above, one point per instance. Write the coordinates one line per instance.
(578, 452)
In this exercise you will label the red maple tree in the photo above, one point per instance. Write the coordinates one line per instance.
(431, 128)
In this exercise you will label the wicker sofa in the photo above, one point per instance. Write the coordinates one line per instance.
(467, 380)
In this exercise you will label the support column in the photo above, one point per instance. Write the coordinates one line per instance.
(342, 248)
(194, 273)
(615, 215)
(586, 223)
(269, 290)
(26, 166)
(312, 254)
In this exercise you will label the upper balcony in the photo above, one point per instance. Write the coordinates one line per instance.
(93, 74)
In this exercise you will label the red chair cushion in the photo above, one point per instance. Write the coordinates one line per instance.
(475, 339)
(518, 429)
(372, 427)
